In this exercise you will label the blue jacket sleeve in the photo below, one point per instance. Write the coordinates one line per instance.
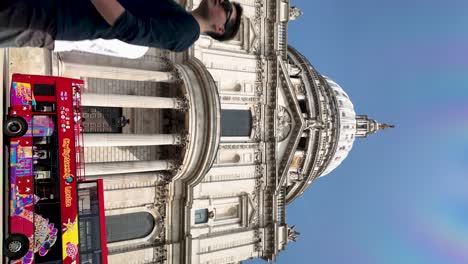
(176, 33)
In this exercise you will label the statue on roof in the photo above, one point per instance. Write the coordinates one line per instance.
(292, 234)
(313, 124)
(294, 13)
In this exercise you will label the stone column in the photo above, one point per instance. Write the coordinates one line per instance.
(132, 101)
(107, 168)
(115, 140)
(131, 178)
(77, 70)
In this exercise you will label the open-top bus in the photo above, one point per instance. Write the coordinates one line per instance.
(55, 215)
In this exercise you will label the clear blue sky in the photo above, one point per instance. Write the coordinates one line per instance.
(401, 196)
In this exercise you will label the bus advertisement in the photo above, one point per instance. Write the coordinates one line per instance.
(55, 215)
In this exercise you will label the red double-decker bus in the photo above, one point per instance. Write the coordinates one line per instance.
(55, 215)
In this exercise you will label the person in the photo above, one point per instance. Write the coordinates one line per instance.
(160, 24)
(120, 121)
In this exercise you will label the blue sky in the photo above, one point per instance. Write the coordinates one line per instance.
(401, 196)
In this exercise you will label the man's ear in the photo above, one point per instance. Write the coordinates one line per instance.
(219, 29)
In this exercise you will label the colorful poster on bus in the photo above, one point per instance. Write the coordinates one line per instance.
(21, 94)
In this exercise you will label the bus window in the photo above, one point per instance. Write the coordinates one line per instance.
(44, 89)
(44, 107)
(47, 235)
(41, 141)
(40, 154)
(40, 175)
(43, 126)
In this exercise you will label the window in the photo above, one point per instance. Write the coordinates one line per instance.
(45, 159)
(129, 226)
(227, 212)
(303, 106)
(44, 89)
(303, 142)
(44, 107)
(236, 123)
(201, 216)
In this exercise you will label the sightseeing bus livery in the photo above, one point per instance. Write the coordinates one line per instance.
(55, 216)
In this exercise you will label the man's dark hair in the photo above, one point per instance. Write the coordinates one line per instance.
(232, 27)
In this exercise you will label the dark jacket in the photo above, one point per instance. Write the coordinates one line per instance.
(153, 23)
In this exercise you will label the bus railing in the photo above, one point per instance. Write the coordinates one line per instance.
(78, 130)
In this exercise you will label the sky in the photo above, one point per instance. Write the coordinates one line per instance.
(401, 196)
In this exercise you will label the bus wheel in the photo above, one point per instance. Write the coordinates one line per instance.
(16, 246)
(15, 127)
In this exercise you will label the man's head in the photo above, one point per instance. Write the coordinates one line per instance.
(219, 19)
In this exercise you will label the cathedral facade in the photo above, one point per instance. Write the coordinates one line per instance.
(201, 151)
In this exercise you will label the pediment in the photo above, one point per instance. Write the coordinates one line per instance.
(288, 114)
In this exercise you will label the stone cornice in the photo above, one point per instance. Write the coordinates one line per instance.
(269, 55)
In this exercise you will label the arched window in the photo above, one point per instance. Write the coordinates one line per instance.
(236, 123)
(129, 226)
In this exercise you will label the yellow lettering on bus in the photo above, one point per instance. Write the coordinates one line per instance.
(68, 196)
(66, 158)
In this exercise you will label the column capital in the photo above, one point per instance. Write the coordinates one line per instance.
(183, 104)
(175, 165)
(182, 139)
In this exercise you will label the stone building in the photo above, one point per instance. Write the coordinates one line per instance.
(201, 151)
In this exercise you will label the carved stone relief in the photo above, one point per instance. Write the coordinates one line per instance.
(240, 99)
(283, 123)
(239, 146)
(183, 104)
(257, 122)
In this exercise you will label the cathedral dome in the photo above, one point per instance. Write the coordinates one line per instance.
(329, 125)
(346, 116)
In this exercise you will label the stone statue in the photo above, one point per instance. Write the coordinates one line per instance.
(314, 124)
(294, 13)
(292, 234)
